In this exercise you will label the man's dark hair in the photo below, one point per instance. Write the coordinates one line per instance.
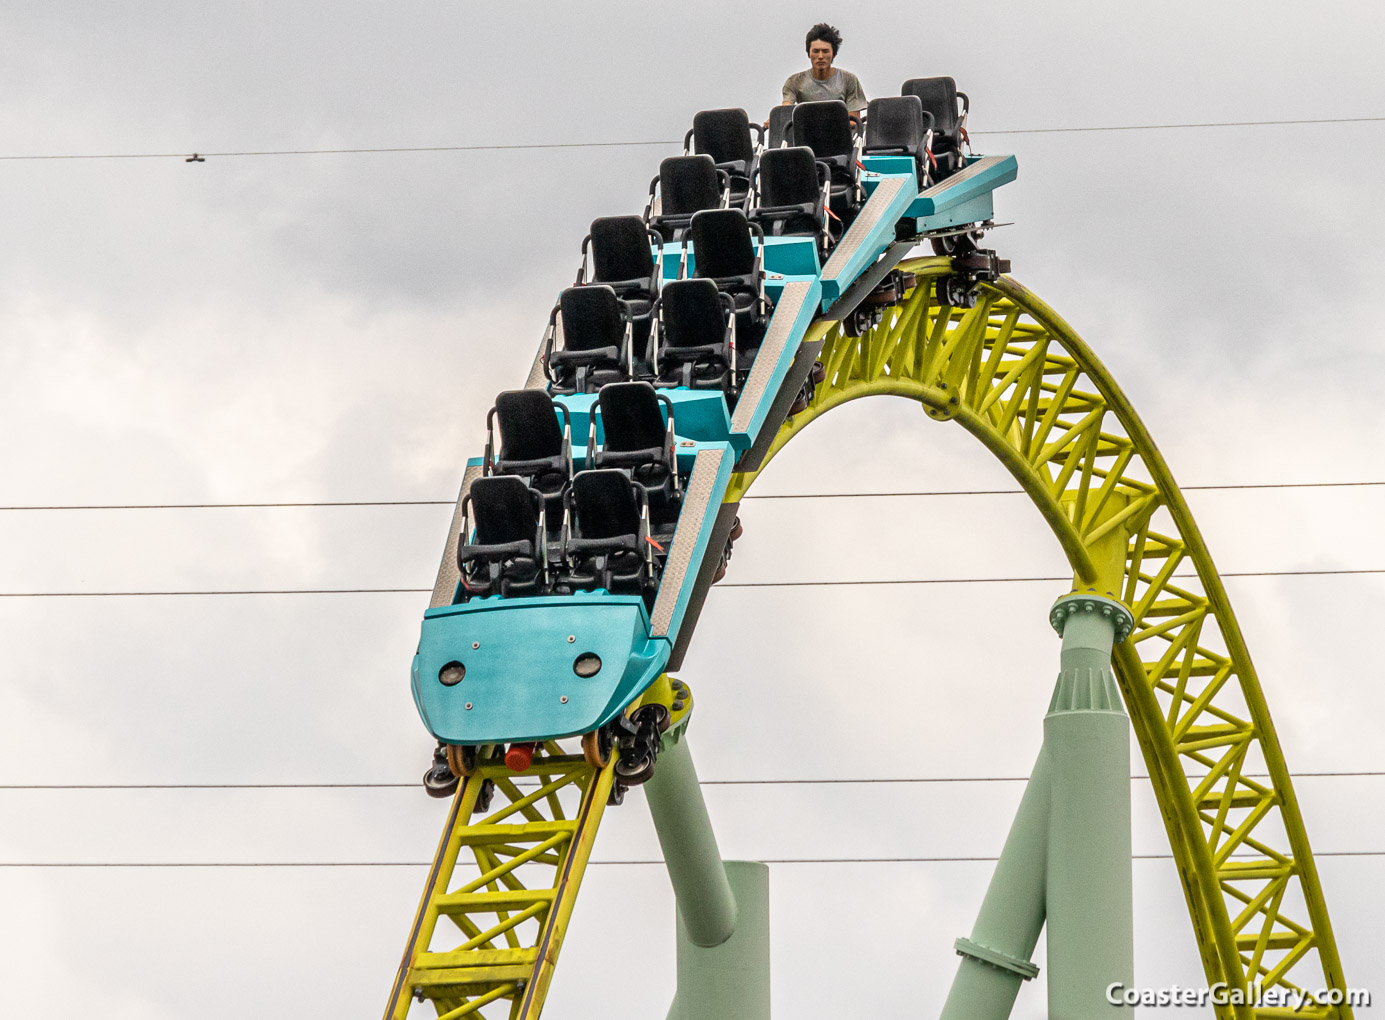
(824, 32)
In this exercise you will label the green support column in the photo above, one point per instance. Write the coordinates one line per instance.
(723, 908)
(729, 981)
(995, 960)
(1090, 883)
(1067, 858)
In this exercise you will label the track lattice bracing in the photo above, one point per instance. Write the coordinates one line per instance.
(1016, 376)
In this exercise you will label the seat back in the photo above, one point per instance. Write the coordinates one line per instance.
(694, 314)
(824, 127)
(621, 251)
(604, 505)
(939, 98)
(688, 184)
(529, 429)
(593, 318)
(724, 135)
(780, 119)
(896, 124)
(504, 511)
(789, 177)
(632, 417)
(722, 244)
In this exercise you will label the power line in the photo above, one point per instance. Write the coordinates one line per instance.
(797, 495)
(725, 584)
(1172, 127)
(188, 156)
(200, 156)
(866, 781)
(612, 863)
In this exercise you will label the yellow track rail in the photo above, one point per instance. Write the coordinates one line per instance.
(510, 912)
(1016, 376)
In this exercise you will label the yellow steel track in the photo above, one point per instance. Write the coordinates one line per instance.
(1015, 375)
(485, 940)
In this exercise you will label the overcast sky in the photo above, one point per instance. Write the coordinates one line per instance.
(334, 327)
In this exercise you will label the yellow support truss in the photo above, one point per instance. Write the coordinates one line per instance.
(1016, 376)
(505, 886)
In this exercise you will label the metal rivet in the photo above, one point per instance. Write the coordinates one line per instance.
(476, 644)
(468, 706)
(563, 699)
(571, 638)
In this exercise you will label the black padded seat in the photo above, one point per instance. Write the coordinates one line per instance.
(899, 126)
(696, 336)
(685, 185)
(725, 136)
(533, 445)
(780, 127)
(623, 258)
(729, 250)
(637, 422)
(825, 127)
(606, 545)
(505, 556)
(940, 97)
(596, 340)
(793, 192)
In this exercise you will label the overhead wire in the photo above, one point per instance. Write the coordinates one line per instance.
(200, 156)
(764, 496)
(849, 583)
(960, 859)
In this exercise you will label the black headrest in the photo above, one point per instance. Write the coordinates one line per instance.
(779, 120)
(722, 244)
(593, 317)
(620, 249)
(724, 135)
(695, 313)
(529, 428)
(631, 416)
(605, 504)
(503, 509)
(789, 177)
(824, 127)
(688, 183)
(896, 123)
(939, 97)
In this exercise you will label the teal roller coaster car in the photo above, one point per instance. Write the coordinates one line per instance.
(586, 538)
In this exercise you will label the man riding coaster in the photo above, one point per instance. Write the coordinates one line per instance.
(822, 81)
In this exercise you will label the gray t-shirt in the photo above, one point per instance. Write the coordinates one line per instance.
(804, 88)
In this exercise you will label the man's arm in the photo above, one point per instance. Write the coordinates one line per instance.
(855, 95)
(790, 91)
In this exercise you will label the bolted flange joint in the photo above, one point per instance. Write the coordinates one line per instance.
(995, 958)
(1070, 605)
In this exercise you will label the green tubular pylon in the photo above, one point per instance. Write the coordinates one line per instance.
(995, 960)
(729, 981)
(723, 907)
(706, 903)
(1089, 883)
(1067, 858)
